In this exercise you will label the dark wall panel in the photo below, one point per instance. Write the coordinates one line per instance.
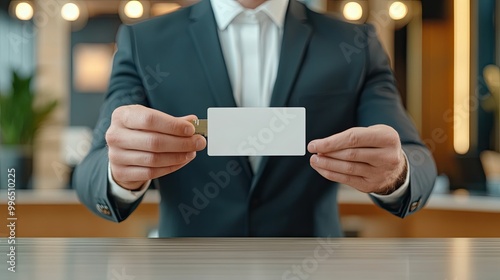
(85, 106)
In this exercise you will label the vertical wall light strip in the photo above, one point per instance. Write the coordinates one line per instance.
(414, 61)
(461, 121)
(497, 16)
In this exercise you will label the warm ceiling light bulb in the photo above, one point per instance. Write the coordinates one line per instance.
(70, 12)
(134, 9)
(353, 11)
(398, 10)
(24, 11)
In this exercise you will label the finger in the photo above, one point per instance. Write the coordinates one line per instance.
(142, 118)
(148, 159)
(130, 174)
(154, 142)
(356, 182)
(345, 167)
(373, 156)
(357, 137)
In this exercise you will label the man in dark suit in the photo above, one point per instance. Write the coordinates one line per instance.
(226, 53)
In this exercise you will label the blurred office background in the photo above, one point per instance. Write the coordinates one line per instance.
(445, 55)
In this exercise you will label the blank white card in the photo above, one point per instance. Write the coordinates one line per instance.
(262, 131)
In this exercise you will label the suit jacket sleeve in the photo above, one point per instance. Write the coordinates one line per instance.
(380, 103)
(91, 176)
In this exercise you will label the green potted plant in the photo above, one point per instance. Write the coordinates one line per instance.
(20, 120)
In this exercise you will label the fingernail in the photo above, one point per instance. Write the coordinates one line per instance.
(312, 147)
(199, 144)
(188, 130)
(314, 158)
(191, 155)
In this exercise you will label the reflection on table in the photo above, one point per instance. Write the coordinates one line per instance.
(313, 258)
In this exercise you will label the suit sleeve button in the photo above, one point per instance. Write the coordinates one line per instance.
(103, 209)
(414, 205)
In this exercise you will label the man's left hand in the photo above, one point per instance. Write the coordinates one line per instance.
(369, 159)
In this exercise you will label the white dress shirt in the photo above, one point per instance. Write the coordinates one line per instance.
(251, 44)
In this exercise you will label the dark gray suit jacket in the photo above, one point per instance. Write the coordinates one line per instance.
(336, 70)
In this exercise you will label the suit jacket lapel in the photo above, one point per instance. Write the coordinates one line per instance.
(203, 31)
(296, 37)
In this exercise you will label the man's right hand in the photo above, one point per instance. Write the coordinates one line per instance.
(145, 144)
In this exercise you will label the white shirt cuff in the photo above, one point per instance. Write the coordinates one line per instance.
(124, 195)
(397, 194)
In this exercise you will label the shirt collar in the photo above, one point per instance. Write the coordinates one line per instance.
(226, 10)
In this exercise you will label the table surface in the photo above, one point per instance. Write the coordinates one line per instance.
(258, 258)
